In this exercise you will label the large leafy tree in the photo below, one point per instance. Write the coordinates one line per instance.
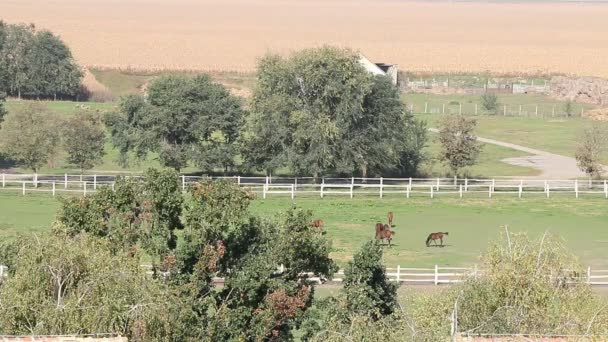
(320, 111)
(36, 64)
(136, 212)
(60, 285)
(182, 119)
(30, 136)
(459, 145)
(84, 139)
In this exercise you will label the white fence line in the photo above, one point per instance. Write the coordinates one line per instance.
(322, 187)
(437, 275)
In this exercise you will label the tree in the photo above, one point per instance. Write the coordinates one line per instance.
(182, 119)
(84, 139)
(320, 111)
(489, 102)
(3, 110)
(36, 64)
(568, 108)
(589, 151)
(135, 214)
(62, 285)
(459, 146)
(30, 136)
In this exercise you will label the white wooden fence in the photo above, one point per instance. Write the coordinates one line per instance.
(437, 275)
(350, 187)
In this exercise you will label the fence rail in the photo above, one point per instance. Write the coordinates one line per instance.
(437, 275)
(323, 187)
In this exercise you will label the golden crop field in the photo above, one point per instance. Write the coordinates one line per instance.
(421, 36)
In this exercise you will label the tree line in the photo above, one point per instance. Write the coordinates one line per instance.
(36, 64)
(85, 276)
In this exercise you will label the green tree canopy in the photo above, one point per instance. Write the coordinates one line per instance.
(320, 111)
(30, 136)
(36, 64)
(459, 145)
(84, 138)
(182, 119)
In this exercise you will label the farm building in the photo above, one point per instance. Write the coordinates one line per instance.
(389, 70)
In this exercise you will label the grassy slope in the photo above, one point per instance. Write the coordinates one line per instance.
(470, 222)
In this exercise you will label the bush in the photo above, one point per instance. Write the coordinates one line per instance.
(489, 102)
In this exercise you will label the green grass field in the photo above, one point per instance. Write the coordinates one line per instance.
(471, 222)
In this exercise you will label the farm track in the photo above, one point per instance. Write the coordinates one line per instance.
(551, 165)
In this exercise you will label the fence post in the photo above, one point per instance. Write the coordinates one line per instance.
(398, 273)
(432, 191)
(582, 112)
(460, 108)
(588, 274)
(443, 109)
(504, 110)
(548, 190)
(605, 189)
(436, 275)
(23, 188)
(381, 186)
(3, 180)
(352, 186)
(113, 185)
(426, 104)
(437, 184)
(264, 187)
(466, 184)
(407, 191)
(35, 179)
(184, 182)
(292, 192)
(460, 191)
(53, 188)
(521, 187)
(576, 188)
(65, 181)
(322, 185)
(519, 110)
(238, 180)
(476, 109)
(94, 182)
(536, 111)
(85, 189)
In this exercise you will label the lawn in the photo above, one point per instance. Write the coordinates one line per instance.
(552, 135)
(471, 222)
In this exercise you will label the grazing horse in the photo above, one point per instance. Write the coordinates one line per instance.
(384, 233)
(390, 218)
(434, 237)
(318, 223)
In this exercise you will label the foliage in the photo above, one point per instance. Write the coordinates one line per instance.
(459, 146)
(63, 285)
(36, 64)
(136, 213)
(589, 151)
(84, 139)
(3, 110)
(30, 136)
(489, 102)
(182, 119)
(221, 238)
(569, 108)
(320, 111)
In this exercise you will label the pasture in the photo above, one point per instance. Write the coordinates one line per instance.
(471, 222)
(433, 36)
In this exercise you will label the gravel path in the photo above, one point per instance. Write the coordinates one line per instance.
(551, 165)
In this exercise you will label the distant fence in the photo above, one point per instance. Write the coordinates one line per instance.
(293, 187)
(437, 275)
(521, 110)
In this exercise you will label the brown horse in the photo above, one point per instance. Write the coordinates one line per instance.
(434, 237)
(390, 218)
(384, 233)
(318, 223)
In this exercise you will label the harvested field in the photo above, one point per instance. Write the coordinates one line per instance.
(421, 36)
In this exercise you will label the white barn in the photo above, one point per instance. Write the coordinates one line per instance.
(389, 70)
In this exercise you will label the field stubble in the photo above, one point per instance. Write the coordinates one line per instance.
(421, 36)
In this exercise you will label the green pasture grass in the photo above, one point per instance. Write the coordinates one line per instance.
(63, 108)
(472, 223)
(559, 135)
